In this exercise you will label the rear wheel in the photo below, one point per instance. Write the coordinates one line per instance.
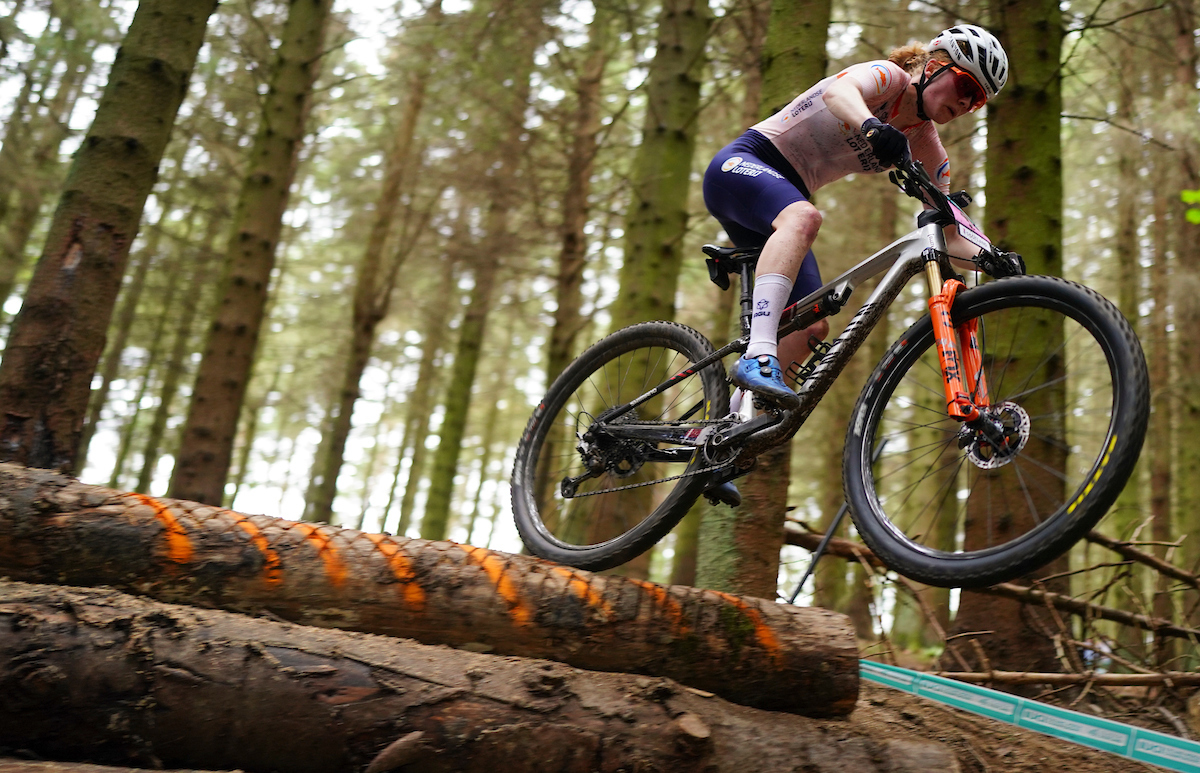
(1068, 400)
(595, 494)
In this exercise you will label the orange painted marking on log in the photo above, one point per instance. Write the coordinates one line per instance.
(583, 589)
(179, 547)
(272, 568)
(493, 564)
(335, 570)
(762, 632)
(669, 606)
(414, 594)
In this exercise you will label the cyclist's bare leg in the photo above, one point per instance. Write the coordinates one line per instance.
(795, 230)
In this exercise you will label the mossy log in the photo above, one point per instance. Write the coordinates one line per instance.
(55, 530)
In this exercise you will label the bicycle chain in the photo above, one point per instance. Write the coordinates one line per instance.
(653, 482)
(703, 422)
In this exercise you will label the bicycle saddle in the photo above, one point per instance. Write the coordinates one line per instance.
(723, 261)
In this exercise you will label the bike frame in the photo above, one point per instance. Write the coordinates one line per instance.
(920, 251)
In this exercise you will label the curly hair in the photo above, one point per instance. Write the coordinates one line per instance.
(913, 57)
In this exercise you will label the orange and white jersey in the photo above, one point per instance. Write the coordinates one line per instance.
(823, 149)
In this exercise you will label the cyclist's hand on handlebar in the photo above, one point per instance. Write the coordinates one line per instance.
(887, 142)
(1001, 264)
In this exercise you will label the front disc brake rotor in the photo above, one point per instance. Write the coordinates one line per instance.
(1012, 425)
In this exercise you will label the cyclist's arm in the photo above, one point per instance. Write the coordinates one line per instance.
(845, 101)
(961, 251)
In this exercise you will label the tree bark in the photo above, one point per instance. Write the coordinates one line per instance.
(572, 257)
(108, 677)
(176, 366)
(420, 402)
(1186, 283)
(374, 282)
(1024, 213)
(54, 529)
(516, 50)
(657, 216)
(224, 372)
(58, 336)
(739, 552)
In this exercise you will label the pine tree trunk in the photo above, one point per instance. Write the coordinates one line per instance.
(1024, 213)
(44, 172)
(435, 523)
(657, 216)
(794, 56)
(1160, 441)
(759, 652)
(58, 336)
(516, 50)
(1186, 285)
(421, 401)
(225, 370)
(568, 317)
(18, 129)
(130, 301)
(373, 287)
(740, 552)
(176, 367)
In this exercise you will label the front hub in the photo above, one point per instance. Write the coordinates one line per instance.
(996, 437)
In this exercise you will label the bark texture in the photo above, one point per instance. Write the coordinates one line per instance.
(54, 529)
(657, 216)
(1024, 213)
(108, 677)
(225, 369)
(375, 281)
(58, 336)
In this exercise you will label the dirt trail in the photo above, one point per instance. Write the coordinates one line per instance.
(981, 745)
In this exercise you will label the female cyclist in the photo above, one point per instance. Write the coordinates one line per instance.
(863, 119)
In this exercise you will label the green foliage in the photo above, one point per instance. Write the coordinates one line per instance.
(1191, 197)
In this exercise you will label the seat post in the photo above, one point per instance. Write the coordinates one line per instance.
(747, 273)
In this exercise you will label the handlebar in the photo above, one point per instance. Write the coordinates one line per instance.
(911, 177)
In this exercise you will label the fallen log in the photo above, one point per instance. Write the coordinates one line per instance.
(54, 529)
(102, 676)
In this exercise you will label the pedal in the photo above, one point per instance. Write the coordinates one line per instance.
(723, 494)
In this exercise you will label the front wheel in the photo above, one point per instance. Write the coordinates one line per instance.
(593, 490)
(1068, 401)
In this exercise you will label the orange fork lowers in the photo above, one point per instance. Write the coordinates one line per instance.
(964, 392)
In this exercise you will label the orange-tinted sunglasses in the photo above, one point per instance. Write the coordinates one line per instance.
(968, 87)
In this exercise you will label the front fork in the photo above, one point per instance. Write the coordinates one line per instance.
(958, 350)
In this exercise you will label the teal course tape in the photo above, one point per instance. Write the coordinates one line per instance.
(1126, 740)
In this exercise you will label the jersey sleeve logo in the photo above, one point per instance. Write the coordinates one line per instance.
(730, 163)
(943, 171)
(882, 77)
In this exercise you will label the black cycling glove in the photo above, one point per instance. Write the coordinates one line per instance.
(887, 142)
(1001, 264)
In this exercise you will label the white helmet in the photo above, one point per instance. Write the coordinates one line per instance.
(977, 51)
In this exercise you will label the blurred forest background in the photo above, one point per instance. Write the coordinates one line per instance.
(458, 223)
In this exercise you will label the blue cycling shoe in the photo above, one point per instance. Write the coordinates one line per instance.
(763, 376)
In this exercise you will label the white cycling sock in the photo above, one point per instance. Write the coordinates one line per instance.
(771, 293)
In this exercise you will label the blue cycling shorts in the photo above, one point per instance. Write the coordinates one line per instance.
(746, 192)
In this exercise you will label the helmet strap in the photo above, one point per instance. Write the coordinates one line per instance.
(924, 84)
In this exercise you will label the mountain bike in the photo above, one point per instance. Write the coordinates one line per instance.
(993, 434)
